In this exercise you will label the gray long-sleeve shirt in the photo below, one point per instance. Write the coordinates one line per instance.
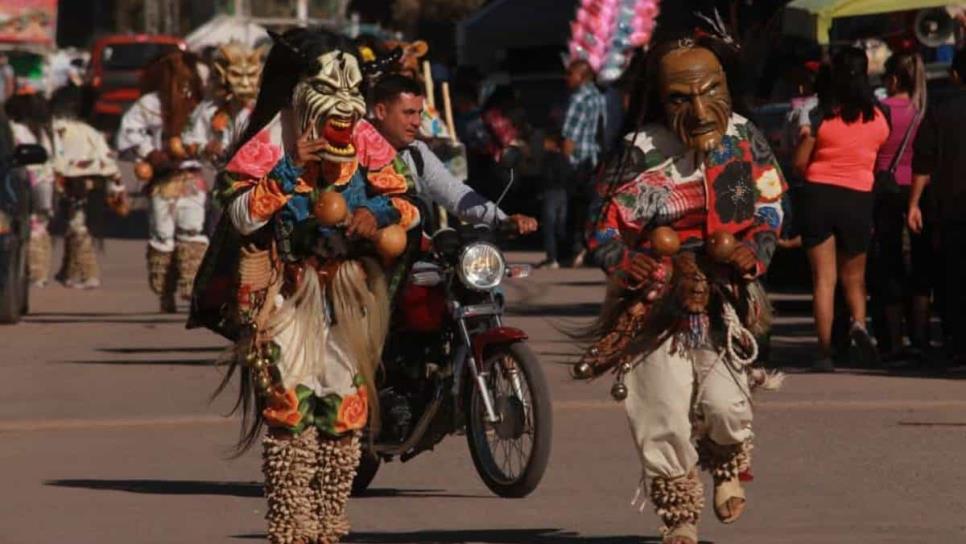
(437, 184)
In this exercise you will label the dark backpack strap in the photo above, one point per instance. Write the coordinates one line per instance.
(417, 156)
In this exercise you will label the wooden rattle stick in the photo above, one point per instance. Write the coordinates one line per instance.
(428, 81)
(448, 111)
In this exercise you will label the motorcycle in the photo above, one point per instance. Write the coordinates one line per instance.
(452, 367)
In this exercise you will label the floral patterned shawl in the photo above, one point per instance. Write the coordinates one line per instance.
(736, 188)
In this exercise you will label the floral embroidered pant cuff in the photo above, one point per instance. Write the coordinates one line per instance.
(308, 479)
(678, 400)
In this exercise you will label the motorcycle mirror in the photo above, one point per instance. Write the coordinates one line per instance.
(27, 154)
(446, 241)
(506, 189)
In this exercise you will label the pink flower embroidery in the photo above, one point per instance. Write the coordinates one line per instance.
(257, 157)
(372, 148)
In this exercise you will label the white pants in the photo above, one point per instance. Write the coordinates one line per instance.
(181, 218)
(674, 399)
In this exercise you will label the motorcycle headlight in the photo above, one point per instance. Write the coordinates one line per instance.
(481, 266)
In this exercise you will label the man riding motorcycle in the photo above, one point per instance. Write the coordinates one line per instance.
(396, 105)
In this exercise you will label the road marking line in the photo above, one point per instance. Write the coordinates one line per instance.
(33, 425)
(27, 425)
(804, 405)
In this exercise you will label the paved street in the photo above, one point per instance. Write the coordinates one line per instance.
(108, 436)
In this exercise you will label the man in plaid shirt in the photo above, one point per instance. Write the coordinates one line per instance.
(582, 131)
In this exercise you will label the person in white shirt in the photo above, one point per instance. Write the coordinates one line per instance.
(396, 112)
(151, 134)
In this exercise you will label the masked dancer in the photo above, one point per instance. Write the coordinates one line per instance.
(90, 181)
(684, 223)
(218, 122)
(151, 133)
(315, 207)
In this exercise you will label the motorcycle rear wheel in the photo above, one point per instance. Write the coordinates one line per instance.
(511, 456)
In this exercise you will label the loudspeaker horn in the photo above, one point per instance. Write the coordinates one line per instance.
(934, 27)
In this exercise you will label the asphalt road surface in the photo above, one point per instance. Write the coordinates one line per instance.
(107, 435)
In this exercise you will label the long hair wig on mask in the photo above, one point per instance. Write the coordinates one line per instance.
(174, 76)
(293, 56)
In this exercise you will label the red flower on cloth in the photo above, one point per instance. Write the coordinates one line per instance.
(257, 157)
(408, 214)
(282, 409)
(339, 173)
(353, 412)
(372, 148)
(388, 181)
(266, 199)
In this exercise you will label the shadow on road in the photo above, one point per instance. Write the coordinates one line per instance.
(124, 362)
(485, 536)
(587, 309)
(199, 349)
(378, 493)
(109, 319)
(584, 283)
(166, 487)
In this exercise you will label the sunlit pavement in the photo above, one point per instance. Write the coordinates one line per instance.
(108, 436)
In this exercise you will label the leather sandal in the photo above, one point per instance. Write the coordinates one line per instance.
(729, 500)
(685, 533)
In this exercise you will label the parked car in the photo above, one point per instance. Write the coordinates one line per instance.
(114, 76)
(14, 222)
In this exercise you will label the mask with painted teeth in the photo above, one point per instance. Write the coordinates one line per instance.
(328, 103)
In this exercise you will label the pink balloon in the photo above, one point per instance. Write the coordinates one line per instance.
(641, 24)
(648, 9)
(577, 31)
(640, 38)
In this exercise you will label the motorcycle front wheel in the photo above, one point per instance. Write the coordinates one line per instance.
(510, 455)
(365, 473)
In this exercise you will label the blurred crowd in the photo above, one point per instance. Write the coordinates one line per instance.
(874, 163)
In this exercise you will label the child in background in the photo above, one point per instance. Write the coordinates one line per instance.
(557, 175)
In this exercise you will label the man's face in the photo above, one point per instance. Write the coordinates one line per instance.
(575, 76)
(399, 120)
(695, 94)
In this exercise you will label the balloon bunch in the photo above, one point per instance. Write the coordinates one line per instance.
(605, 31)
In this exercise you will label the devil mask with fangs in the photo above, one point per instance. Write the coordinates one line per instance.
(315, 77)
(328, 103)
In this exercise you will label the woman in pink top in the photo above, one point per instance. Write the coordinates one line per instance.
(896, 285)
(837, 159)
